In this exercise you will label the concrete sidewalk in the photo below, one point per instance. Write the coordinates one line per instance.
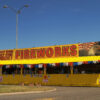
(27, 92)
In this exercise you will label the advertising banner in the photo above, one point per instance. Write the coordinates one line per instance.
(72, 50)
(40, 52)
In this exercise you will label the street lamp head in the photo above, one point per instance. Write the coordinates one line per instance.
(17, 12)
(26, 6)
(5, 6)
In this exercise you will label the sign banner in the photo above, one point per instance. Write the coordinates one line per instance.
(40, 52)
(72, 50)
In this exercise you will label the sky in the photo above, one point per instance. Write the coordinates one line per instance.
(49, 22)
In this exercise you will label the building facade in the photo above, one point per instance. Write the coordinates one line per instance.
(65, 65)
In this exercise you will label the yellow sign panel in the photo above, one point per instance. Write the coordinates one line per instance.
(40, 52)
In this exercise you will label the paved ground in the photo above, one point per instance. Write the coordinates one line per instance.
(62, 93)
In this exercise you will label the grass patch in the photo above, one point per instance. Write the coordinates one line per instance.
(16, 88)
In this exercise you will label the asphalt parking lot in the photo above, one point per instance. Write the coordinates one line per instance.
(61, 93)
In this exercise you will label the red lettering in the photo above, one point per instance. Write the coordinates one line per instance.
(2, 55)
(9, 54)
(65, 51)
(40, 53)
(49, 52)
(57, 51)
(73, 50)
(22, 54)
(33, 53)
(17, 54)
(26, 54)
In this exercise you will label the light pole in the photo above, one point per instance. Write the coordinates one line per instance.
(17, 12)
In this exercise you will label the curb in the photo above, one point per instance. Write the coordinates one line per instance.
(27, 92)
